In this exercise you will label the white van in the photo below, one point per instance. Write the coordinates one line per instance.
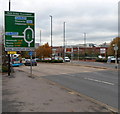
(67, 59)
(112, 58)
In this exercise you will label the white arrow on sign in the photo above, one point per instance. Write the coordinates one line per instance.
(24, 33)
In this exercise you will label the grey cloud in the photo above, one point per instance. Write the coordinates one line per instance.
(91, 16)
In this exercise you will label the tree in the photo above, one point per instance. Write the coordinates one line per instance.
(43, 51)
(111, 51)
(25, 54)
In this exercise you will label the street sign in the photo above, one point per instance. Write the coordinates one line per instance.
(30, 53)
(116, 48)
(19, 31)
(11, 52)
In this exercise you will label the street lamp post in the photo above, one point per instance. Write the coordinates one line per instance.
(40, 38)
(116, 49)
(64, 40)
(51, 36)
(85, 39)
(85, 43)
(78, 53)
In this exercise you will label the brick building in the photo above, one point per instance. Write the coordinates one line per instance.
(80, 50)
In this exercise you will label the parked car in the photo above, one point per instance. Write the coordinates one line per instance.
(101, 57)
(57, 58)
(37, 59)
(119, 60)
(60, 58)
(28, 62)
(112, 58)
(67, 59)
(16, 64)
(46, 58)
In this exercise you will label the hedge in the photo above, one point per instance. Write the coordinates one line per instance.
(4, 69)
(101, 60)
(50, 61)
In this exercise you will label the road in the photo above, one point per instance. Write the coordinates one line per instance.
(97, 83)
(96, 64)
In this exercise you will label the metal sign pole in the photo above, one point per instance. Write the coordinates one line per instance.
(31, 65)
(9, 68)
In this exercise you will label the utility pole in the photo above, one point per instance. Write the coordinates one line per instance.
(64, 41)
(78, 53)
(9, 5)
(9, 66)
(51, 36)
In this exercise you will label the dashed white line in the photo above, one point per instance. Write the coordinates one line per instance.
(100, 81)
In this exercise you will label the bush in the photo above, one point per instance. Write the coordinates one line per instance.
(4, 68)
(101, 60)
(57, 61)
(45, 61)
(50, 61)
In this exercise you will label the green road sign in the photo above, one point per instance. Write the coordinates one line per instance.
(19, 31)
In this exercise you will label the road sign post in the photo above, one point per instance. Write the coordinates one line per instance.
(19, 32)
(31, 54)
(31, 65)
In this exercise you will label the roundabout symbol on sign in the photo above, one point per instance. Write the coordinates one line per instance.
(28, 35)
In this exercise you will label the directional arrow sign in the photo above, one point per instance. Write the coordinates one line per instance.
(116, 48)
(19, 31)
(30, 53)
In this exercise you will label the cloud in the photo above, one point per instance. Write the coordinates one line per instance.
(98, 18)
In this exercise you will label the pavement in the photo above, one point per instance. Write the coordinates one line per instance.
(23, 93)
(0, 93)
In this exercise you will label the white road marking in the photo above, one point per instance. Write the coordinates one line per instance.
(100, 81)
(63, 73)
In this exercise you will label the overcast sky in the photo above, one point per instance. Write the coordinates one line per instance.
(97, 18)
